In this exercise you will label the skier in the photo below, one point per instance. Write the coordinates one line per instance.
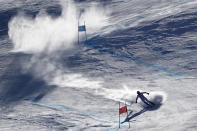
(143, 98)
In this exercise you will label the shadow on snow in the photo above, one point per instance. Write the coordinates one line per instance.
(143, 110)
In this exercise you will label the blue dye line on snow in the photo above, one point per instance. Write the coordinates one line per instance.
(61, 107)
(137, 60)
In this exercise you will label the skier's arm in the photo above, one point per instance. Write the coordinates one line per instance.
(136, 99)
(145, 93)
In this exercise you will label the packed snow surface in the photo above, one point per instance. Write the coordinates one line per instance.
(49, 81)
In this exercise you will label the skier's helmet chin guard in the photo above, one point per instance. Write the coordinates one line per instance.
(138, 92)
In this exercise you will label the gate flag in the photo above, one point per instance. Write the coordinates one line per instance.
(123, 109)
(81, 28)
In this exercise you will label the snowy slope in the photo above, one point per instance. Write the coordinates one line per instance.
(49, 82)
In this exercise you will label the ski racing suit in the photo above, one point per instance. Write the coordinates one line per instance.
(144, 99)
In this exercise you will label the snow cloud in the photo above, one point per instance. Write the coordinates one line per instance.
(46, 34)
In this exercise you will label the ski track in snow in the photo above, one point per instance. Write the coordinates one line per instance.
(79, 88)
